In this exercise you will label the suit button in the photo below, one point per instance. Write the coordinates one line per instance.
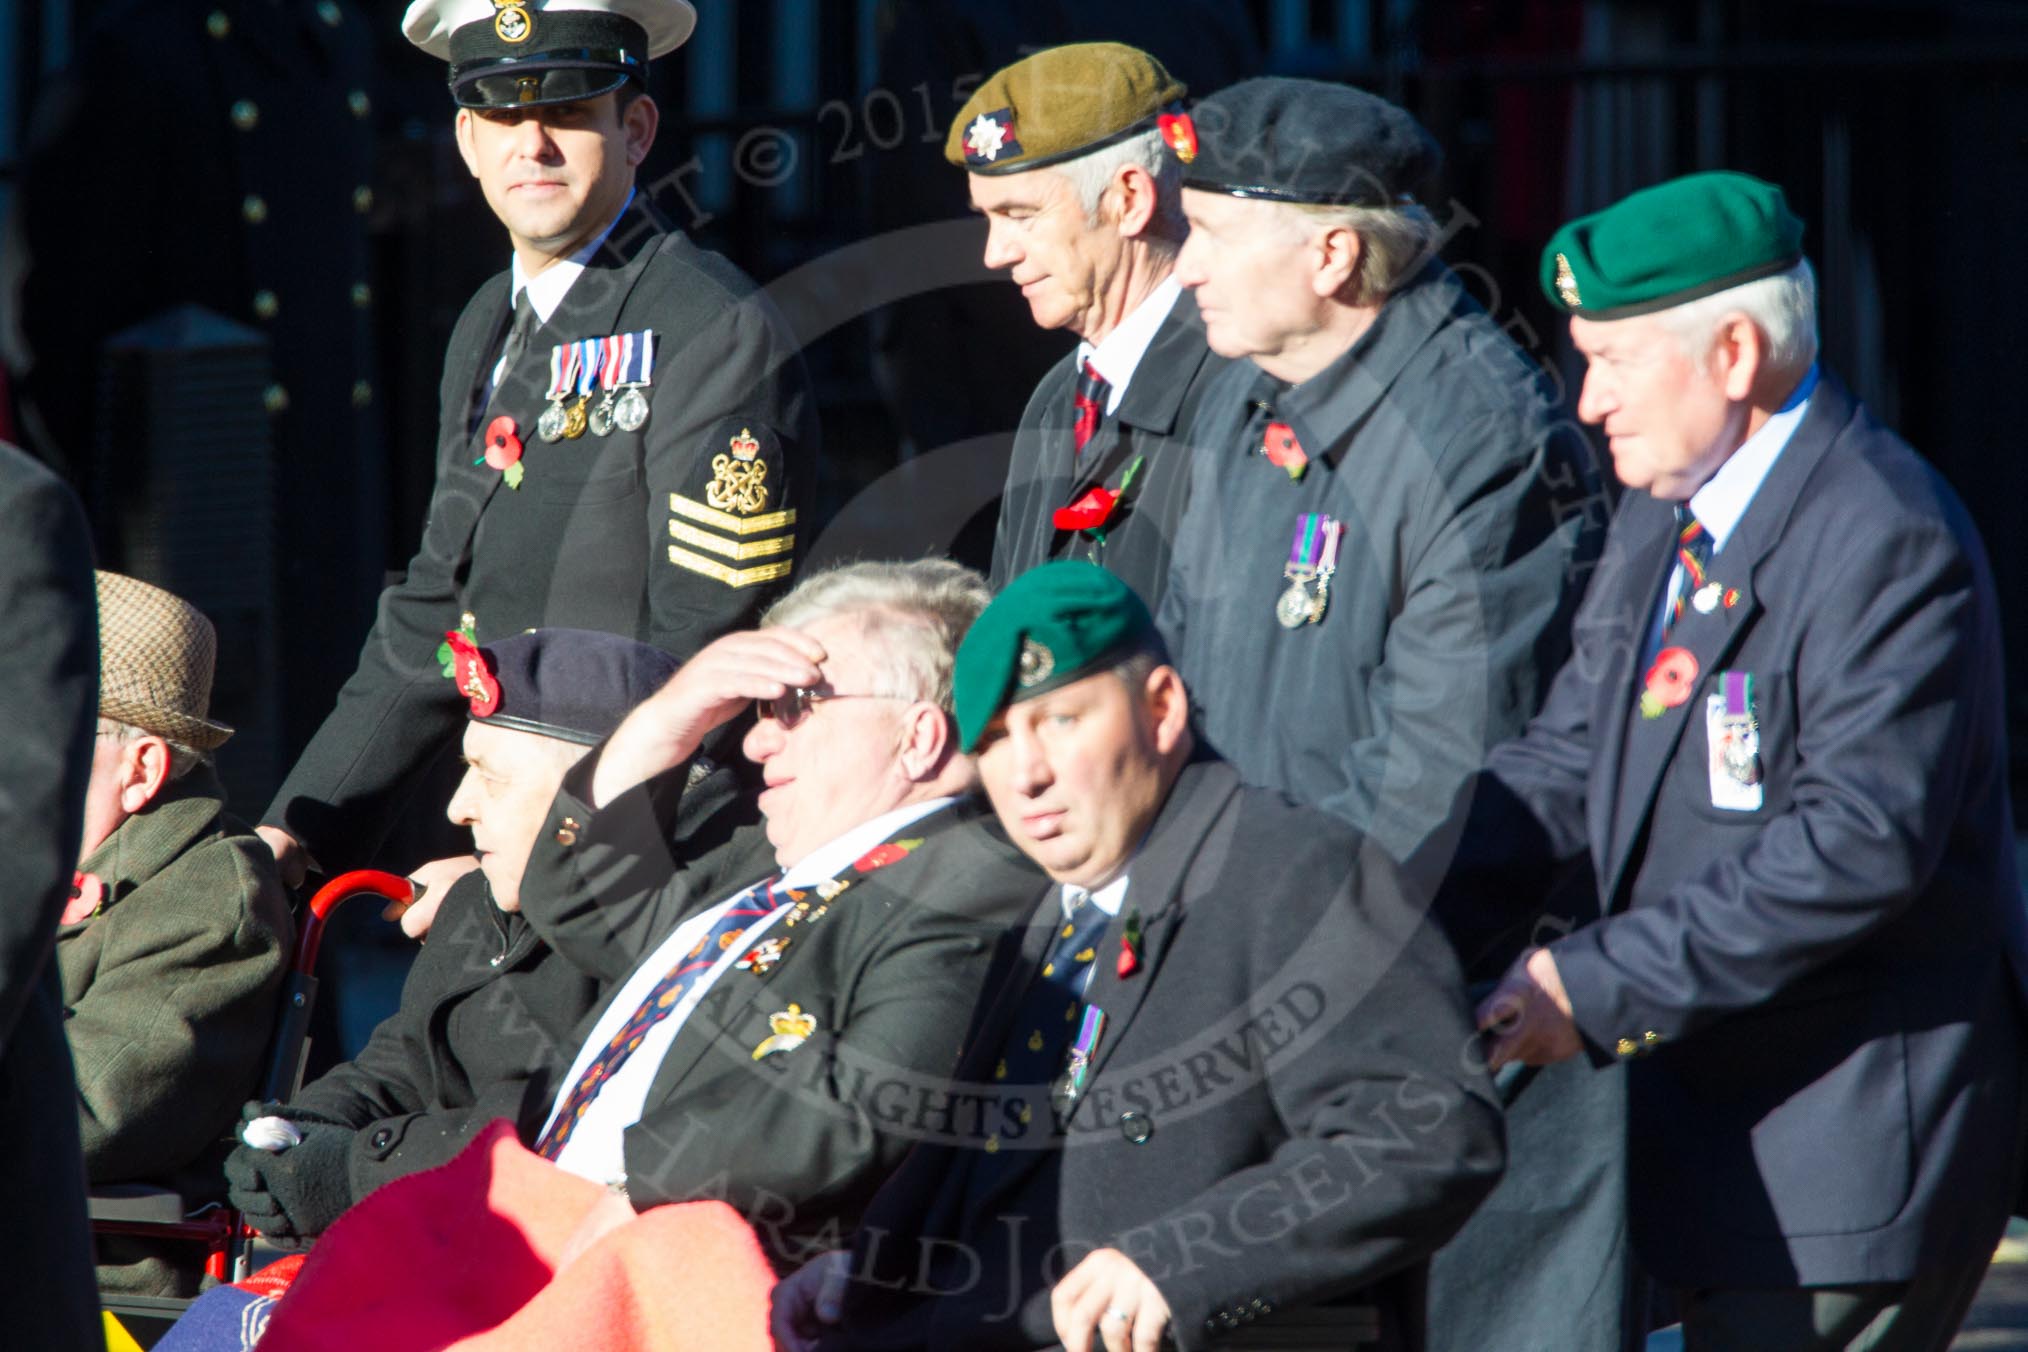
(275, 399)
(362, 296)
(328, 11)
(381, 1138)
(1626, 1046)
(1651, 1037)
(362, 393)
(1137, 1128)
(566, 834)
(266, 304)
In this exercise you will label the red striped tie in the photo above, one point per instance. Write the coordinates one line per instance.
(1092, 390)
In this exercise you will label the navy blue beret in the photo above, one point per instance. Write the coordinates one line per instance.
(571, 684)
(1309, 141)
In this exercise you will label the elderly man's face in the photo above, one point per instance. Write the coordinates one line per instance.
(1077, 774)
(840, 765)
(1254, 281)
(1666, 416)
(555, 174)
(510, 779)
(1037, 232)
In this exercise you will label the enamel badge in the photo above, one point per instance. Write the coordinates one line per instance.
(739, 479)
(990, 136)
(792, 1028)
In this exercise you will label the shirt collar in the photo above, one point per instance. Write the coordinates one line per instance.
(1725, 496)
(1108, 898)
(546, 289)
(830, 860)
(1119, 355)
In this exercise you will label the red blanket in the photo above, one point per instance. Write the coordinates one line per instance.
(464, 1256)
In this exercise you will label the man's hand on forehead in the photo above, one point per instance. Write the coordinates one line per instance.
(711, 689)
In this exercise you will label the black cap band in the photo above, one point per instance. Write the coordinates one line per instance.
(568, 40)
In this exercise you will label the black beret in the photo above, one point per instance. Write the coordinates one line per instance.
(1309, 141)
(571, 684)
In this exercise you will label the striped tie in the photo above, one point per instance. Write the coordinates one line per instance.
(749, 906)
(1092, 391)
(1693, 554)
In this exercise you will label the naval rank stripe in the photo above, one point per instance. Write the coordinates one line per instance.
(731, 577)
(726, 521)
(732, 549)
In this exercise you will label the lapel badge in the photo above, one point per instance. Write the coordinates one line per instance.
(1037, 663)
(512, 21)
(764, 957)
(1281, 448)
(1668, 682)
(792, 1028)
(1129, 960)
(1705, 600)
(503, 451)
(739, 479)
(1566, 283)
(990, 136)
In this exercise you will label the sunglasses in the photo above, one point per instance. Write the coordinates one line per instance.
(792, 708)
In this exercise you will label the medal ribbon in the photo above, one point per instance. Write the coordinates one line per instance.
(1303, 549)
(587, 366)
(1738, 694)
(641, 360)
(562, 369)
(1332, 531)
(610, 363)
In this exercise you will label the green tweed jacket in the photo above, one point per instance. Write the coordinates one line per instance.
(170, 987)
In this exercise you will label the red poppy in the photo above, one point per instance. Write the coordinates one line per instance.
(1089, 512)
(1673, 676)
(1280, 446)
(87, 893)
(880, 856)
(503, 447)
(1129, 961)
(474, 677)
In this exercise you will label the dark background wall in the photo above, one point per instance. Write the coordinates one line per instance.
(803, 138)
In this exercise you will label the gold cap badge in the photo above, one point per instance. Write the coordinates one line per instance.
(1566, 283)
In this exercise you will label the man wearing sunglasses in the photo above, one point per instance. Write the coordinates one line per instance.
(622, 415)
(786, 1008)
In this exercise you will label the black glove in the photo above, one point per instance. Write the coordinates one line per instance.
(299, 1191)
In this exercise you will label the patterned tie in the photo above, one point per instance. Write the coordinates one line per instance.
(1049, 1012)
(1693, 553)
(757, 901)
(1092, 391)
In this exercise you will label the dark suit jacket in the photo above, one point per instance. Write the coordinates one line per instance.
(1818, 997)
(612, 533)
(49, 670)
(892, 971)
(1152, 424)
(1278, 1113)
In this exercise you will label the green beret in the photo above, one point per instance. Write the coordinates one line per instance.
(1059, 104)
(1050, 626)
(1690, 237)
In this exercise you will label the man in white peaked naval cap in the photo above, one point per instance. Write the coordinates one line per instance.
(623, 421)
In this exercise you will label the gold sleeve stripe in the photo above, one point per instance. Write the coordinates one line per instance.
(732, 549)
(726, 521)
(731, 577)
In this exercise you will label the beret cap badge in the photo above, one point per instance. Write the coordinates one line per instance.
(511, 21)
(1037, 663)
(990, 136)
(1566, 283)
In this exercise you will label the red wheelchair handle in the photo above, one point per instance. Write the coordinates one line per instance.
(389, 886)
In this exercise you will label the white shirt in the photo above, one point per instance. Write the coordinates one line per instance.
(1119, 356)
(1108, 898)
(547, 288)
(596, 1148)
(1722, 501)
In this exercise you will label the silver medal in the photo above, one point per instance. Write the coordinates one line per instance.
(631, 412)
(602, 417)
(550, 425)
(1293, 610)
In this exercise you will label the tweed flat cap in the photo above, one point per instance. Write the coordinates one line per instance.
(1052, 625)
(1062, 103)
(1675, 242)
(1309, 141)
(157, 655)
(571, 684)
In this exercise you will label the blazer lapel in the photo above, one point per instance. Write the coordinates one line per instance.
(1711, 637)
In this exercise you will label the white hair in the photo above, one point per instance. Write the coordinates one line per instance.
(1783, 307)
(182, 759)
(1393, 241)
(914, 615)
(1090, 175)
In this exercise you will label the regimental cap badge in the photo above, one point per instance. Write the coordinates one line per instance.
(1037, 663)
(990, 136)
(1180, 133)
(1566, 283)
(511, 21)
(744, 446)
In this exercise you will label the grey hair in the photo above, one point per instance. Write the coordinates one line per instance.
(1783, 307)
(1393, 241)
(182, 759)
(914, 613)
(1090, 175)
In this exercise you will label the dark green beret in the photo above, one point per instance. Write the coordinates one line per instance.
(1309, 141)
(1048, 627)
(1059, 104)
(1675, 242)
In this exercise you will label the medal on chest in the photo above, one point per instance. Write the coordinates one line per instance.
(1313, 561)
(637, 372)
(563, 360)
